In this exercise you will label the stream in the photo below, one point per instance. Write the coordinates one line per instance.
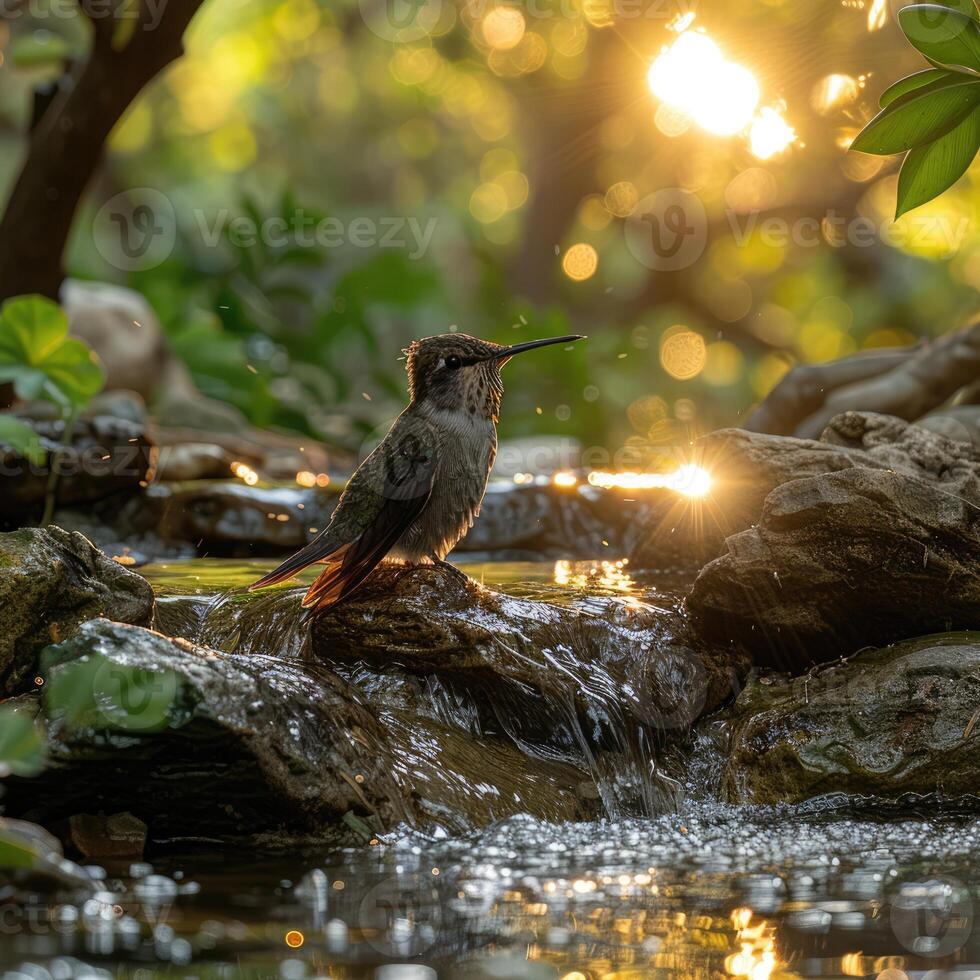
(704, 890)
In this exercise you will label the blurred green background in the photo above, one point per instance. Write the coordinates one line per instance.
(524, 136)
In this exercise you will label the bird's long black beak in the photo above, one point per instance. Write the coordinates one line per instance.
(506, 353)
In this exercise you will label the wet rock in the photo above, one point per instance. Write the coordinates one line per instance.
(228, 518)
(747, 466)
(895, 721)
(598, 683)
(548, 521)
(31, 863)
(201, 744)
(50, 582)
(841, 561)
(106, 456)
(120, 836)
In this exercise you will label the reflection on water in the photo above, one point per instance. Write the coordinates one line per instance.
(714, 892)
(562, 581)
(594, 574)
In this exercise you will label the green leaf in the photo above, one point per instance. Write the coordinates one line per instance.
(910, 83)
(39, 48)
(39, 357)
(944, 35)
(920, 116)
(22, 747)
(21, 438)
(967, 7)
(929, 170)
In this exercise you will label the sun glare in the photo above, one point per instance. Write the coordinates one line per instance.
(690, 480)
(770, 134)
(696, 82)
(693, 76)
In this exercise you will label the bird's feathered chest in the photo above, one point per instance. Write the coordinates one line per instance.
(467, 450)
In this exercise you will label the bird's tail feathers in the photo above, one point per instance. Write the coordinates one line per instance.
(314, 552)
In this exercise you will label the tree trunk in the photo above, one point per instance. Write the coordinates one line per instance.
(67, 145)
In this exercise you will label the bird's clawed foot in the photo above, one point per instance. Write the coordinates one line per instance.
(446, 566)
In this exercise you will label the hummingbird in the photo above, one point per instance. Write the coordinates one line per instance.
(416, 495)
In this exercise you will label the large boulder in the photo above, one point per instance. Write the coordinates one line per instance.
(106, 456)
(50, 582)
(747, 466)
(202, 744)
(837, 562)
(598, 681)
(890, 722)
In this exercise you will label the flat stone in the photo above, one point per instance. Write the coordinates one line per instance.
(837, 562)
(50, 582)
(890, 722)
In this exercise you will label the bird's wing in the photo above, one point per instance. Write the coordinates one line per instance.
(388, 492)
(404, 470)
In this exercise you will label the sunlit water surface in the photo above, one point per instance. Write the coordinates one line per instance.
(709, 891)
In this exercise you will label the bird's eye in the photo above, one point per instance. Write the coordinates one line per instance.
(453, 362)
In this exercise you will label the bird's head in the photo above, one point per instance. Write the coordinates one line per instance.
(455, 371)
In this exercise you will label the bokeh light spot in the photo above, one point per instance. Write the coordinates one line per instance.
(580, 262)
(503, 28)
(683, 353)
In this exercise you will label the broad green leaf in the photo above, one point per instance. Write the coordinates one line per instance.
(919, 116)
(910, 83)
(38, 48)
(40, 359)
(944, 35)
(35, 324)
(21, 438)
(22, 747)
(967, 7)
(929, 170)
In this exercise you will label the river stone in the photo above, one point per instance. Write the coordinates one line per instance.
(902, 719)
(842, 561)
(747, 466)
(201, 744)
(598, 683)
(107, 456)
(50, 581)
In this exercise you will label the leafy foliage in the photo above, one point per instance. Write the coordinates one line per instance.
(22, 747)
(934, 114)
(41, 360)
(280, 331)
(21, 438)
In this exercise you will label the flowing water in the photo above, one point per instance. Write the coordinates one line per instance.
(704, 891)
